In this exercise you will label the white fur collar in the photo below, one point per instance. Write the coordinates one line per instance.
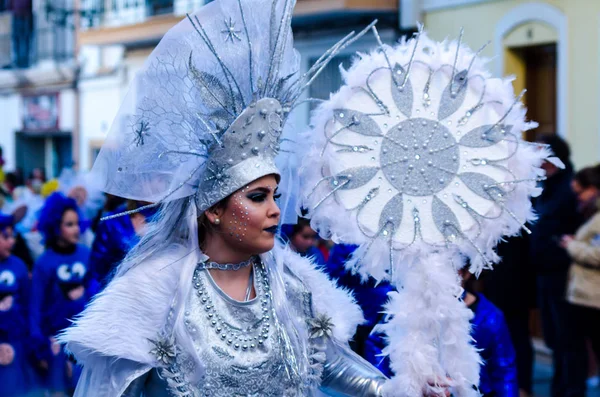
(329, 299)
(133, 308)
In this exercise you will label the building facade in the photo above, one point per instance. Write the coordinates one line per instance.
(84, 54)
(59, 105)
(38, 76)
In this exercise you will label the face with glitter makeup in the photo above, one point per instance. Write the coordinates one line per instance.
(248, 222)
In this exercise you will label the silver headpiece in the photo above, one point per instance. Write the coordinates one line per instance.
(206, 113)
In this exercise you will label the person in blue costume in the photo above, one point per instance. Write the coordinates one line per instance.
(115, 237)
(302, 239)
(61, 287)
(15, 370)
(371, 298)
(498, 373)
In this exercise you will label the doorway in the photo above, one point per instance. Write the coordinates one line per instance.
(536, 67)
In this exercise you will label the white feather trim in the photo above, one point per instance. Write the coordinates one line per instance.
(329, 299)
(425, 331)
(131, 310)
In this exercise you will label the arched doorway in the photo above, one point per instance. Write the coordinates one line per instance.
(531, 43)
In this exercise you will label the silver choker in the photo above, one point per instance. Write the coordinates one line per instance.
(227, 266)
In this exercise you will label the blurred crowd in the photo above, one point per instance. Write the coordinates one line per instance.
(56, 254)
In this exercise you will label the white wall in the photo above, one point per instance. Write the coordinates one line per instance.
(67, 110)
(100, 99)
(10, 114)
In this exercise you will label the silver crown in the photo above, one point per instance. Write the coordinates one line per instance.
(247, 152)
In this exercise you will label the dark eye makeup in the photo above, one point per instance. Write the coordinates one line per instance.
(261, 195)
(257, 197)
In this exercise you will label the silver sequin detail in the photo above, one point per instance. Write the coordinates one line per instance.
(237, 343)
(414, 156)
(453, 96)
(485, 135)
(356, 121)
(403, 96)
(226, 266)
(231, 33)
(445, 220)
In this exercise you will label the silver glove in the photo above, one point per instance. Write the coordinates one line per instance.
(347, 374)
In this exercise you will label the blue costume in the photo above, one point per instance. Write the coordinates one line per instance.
(15, 377)
(498, 375)
(114, 238)
(56, 274)
(370, 296)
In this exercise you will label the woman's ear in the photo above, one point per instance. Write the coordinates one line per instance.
(214, 215)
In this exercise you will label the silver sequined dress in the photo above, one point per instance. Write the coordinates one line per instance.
(242, 350)
(236, 340)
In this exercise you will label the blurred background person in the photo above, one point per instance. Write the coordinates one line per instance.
(370, 295)
(115, 237)
(61, 287)
(556, 209)
(110, 206)
(34, 198)
(510, 286)
(583, 289)
(303, 240)
(498, 373)
(15, 366)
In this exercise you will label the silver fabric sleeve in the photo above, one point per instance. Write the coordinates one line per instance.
(151, 384)
(136, 388)
(347, 374)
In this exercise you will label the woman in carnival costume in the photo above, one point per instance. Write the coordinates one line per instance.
(208, 303)
(15, 369)
(61, 287)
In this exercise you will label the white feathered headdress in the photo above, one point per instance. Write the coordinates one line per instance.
(419, 159)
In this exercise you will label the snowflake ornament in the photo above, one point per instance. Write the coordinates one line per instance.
(419, 160)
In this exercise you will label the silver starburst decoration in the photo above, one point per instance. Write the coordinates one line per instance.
(141, 132)
(320, 326)
(230, 31)
(164, 350)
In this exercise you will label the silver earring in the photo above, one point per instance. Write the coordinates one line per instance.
(217, 221)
